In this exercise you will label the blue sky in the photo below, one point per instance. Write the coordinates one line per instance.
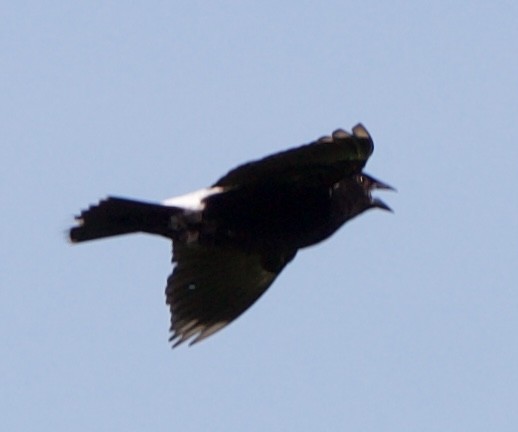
(400, 322)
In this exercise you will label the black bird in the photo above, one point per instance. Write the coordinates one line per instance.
(231, 240)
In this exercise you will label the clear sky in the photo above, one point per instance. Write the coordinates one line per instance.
(400, 322)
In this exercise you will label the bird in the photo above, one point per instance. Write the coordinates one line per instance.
(232, 239)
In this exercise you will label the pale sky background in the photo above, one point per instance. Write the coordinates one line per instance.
(400, 322)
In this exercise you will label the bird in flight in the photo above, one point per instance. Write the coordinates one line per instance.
(232, 239)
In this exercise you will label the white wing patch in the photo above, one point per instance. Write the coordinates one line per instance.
(193, 201)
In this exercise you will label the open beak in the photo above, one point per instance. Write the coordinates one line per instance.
(377, 184)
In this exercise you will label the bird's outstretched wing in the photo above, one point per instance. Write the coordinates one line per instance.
(326, 160)
(211, 286)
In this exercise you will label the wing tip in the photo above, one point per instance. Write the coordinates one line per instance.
(340, 134)
(360, 131)
(194, 331)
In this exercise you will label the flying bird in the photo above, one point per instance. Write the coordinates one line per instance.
(232, 239)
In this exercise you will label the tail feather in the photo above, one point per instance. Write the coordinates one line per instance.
(114, 216)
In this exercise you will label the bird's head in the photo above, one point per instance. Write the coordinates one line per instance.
(352, 196)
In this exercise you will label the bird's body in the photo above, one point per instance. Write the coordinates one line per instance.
(231, 240)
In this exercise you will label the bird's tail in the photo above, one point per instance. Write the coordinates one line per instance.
(115, 216)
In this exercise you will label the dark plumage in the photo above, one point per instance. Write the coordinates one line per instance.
(230, 241)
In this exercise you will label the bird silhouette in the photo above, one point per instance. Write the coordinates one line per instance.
(232, 239)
